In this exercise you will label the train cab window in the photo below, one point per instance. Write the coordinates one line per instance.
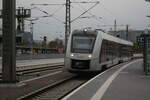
(82, 44)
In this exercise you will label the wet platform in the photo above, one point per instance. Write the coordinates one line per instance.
(123, 82)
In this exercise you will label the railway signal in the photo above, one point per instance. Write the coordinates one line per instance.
(45, 38)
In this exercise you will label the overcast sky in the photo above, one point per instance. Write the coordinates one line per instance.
(131, 12)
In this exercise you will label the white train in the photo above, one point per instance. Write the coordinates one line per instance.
(94, 50)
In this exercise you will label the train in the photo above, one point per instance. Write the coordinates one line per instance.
(93, 50)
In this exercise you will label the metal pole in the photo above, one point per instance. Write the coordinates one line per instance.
(31, 30)
(127, 31)
(115, 25)
(22, 19)
(9, 41)
(68, 23)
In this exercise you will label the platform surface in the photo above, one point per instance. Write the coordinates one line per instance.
(17, 92)
(33, 62)
(123, 82)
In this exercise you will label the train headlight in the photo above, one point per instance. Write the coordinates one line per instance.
(85, 30)
(71, 54)
(90, 56)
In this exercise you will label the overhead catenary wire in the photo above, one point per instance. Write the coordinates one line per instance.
(84, 2)
(52, 15)
(47, 14)
(106, 25)
(111, 13)
(84, 12)
(107, 10)
(92, 15)
(47, 4)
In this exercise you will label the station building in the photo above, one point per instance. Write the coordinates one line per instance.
(21, 38)
(131, 35)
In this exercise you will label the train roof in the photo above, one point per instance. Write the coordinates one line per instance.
(115, 39)
(104, 36)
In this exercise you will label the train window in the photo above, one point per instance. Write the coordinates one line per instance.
(109, 50)
(102, 56)
(82, 44)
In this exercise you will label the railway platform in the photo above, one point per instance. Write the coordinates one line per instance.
(29, 87)
(34, 62)
(24, 88)
(123, 82)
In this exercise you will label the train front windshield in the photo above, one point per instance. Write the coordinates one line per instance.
(82, 44)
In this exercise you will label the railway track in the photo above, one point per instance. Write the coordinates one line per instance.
(51, 86)
(59, 89)
(35, 69)
(59, 86)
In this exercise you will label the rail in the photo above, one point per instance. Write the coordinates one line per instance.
(35, 69)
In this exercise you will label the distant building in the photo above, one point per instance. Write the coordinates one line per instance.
(24, 38)
(131, 35)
